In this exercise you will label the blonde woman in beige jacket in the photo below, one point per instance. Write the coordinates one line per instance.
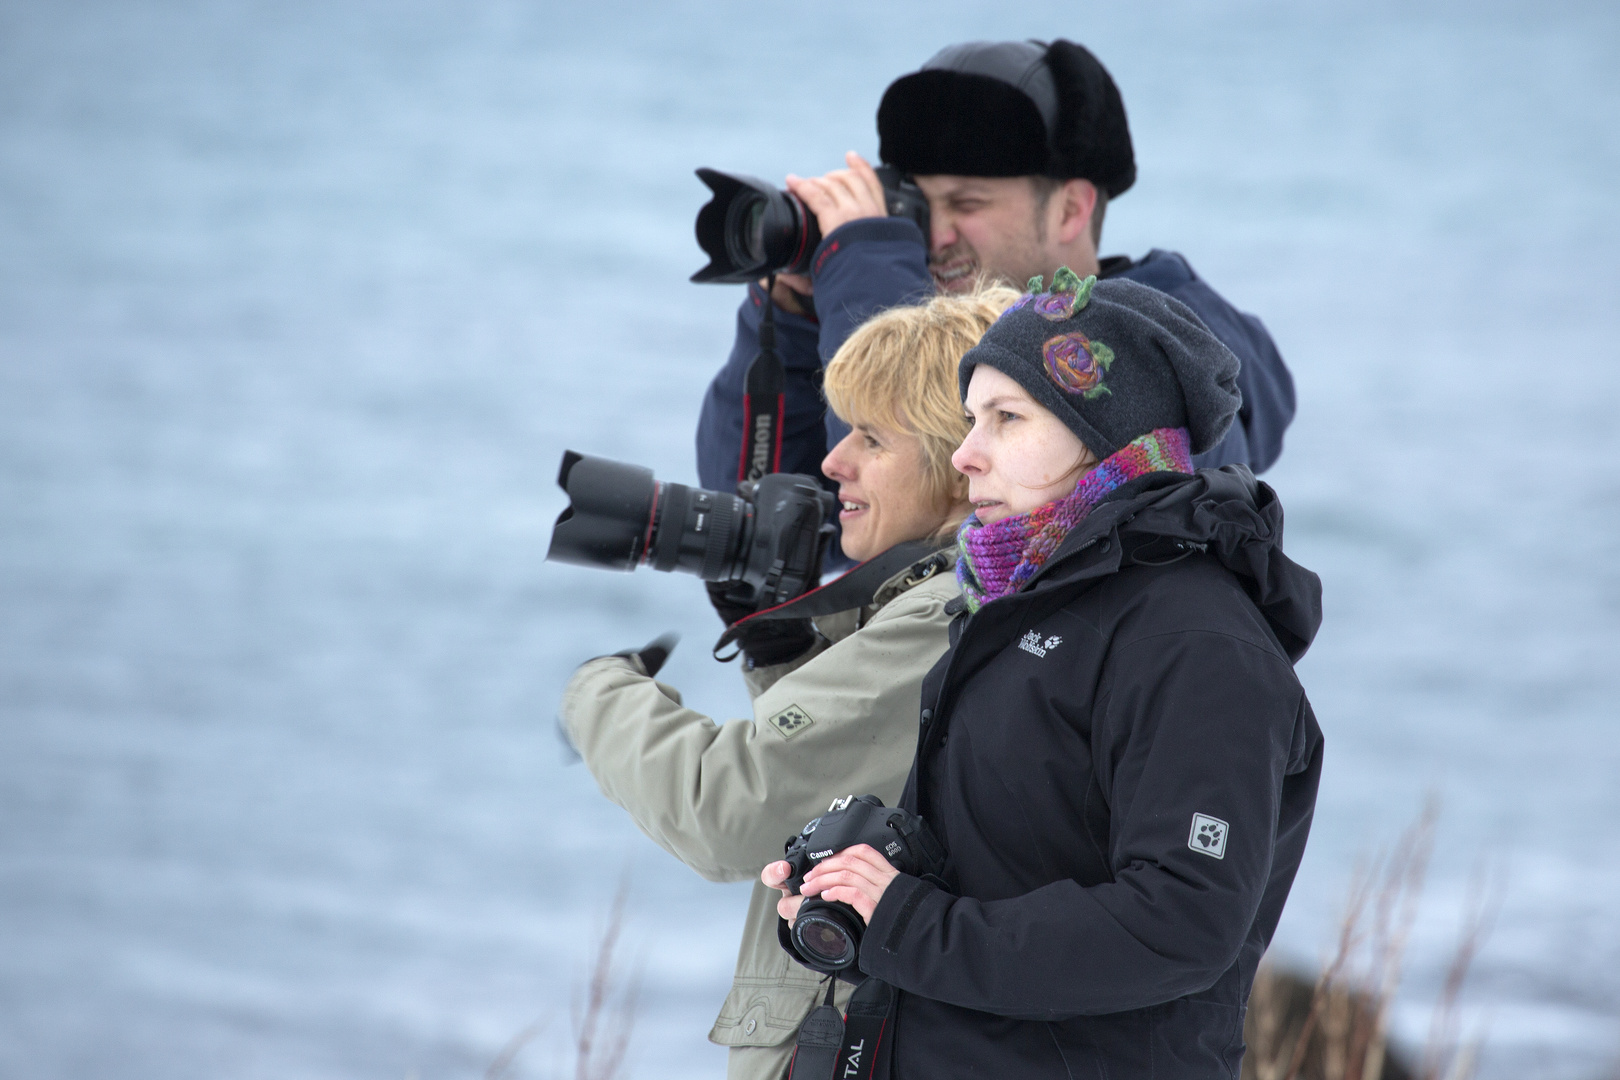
(724, 797)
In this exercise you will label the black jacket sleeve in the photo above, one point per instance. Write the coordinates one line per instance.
(1175, 916)
(860, 269)
(1256, 437)
(863, 268)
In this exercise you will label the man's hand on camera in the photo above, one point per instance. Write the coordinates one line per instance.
(843, 195)
(792, 293)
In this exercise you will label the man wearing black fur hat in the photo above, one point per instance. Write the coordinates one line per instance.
(1019, 147)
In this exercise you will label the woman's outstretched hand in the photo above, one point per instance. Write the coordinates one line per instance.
(856, 876)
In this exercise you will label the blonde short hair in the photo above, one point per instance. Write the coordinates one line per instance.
(898, 371)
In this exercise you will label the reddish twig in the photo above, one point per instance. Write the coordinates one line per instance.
(601, 1017)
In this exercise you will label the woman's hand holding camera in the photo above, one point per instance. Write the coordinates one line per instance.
(856, 876)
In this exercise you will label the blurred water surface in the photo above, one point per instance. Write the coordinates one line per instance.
(299, 304)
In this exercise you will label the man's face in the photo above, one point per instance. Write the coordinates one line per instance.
(990, 224)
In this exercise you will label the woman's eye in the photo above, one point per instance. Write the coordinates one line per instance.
(1005, 416)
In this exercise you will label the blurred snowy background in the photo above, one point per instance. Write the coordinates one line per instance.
(301, 302)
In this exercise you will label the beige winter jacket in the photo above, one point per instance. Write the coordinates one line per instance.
(723, 798)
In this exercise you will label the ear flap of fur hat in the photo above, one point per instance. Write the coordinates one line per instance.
(1093, 139)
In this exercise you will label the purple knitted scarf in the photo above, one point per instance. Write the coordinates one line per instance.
(996, 560)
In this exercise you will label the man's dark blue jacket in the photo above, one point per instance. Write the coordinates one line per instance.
(1122, 768)
(867, 266)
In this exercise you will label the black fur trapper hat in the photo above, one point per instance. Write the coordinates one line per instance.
(1009, 108)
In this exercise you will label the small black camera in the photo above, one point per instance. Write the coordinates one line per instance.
(826, 936)
(751, 228)
(767, 541)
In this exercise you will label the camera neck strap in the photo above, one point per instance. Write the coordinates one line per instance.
(820, 1041)
(857, 588)
(848, 1047)
(764, 400)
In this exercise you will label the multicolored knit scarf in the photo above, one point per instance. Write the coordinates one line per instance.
(995, 560)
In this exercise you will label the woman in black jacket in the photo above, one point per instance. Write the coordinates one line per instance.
(1115, 752)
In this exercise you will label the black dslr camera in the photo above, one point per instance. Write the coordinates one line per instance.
(768, 541)
(827, 934)
(751, 228)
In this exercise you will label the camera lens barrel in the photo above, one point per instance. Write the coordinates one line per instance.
(699, 532)
(619, 517)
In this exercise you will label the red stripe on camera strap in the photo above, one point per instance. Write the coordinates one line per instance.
(867, 1021)
(850, 1047)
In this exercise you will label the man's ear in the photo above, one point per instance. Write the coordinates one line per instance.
(1076, 199)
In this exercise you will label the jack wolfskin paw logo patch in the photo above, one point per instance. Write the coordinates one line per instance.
(1208, 836)
(1033, 643)
(790, 721)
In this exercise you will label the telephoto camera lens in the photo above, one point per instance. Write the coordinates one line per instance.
(767, 541)
(750, 228)
(619, 517)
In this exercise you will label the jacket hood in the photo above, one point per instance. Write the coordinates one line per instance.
(1224, 512)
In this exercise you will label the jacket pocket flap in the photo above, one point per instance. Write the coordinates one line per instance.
(758, 1014)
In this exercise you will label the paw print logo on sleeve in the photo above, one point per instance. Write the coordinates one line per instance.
(790, 721)
(1208, 836)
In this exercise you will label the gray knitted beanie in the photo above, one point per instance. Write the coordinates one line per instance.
(1113, 360)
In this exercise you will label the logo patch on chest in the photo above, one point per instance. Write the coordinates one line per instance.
(790, 721)
(1208, 836)
(1032, 642)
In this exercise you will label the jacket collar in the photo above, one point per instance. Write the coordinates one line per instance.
(1224, 512)
(931, 565)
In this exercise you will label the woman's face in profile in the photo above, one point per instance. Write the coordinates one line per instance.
(882, 490)
(1018, 457)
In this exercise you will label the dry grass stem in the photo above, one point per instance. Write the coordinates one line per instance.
(503, 1061)
(1446, 1057)
(603, 1012)
(1337, 1027)
(603, 1024)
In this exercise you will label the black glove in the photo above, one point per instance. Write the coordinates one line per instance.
(762, 642)
(767, 642)
(728, 609)
(653, 654)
